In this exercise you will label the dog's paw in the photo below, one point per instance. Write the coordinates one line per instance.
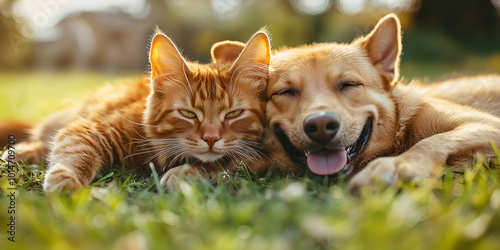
(388, 170)
(31, 152)
(59, 178)
(381, 170)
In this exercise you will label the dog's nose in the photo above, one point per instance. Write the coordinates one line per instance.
(321, 127)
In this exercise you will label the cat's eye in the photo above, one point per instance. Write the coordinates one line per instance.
(234, 113)
(188, 114)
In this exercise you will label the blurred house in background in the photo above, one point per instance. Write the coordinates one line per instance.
(107, 41)
(113, 35)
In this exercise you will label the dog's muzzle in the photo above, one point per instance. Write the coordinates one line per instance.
(321, 128)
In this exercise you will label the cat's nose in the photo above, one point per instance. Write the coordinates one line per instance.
(211, 138)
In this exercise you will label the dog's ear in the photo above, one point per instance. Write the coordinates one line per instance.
(383, 46)
(254, 60)
(226, 51)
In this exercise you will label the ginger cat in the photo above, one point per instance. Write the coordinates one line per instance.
(188, 118)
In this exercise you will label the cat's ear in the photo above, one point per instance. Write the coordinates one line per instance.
(165, 58)
(383, 46)
(254, 60)
(226, 51)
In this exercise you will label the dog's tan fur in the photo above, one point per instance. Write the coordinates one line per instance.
(414, 132)
(479, 92)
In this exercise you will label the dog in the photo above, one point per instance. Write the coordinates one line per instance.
(339, 110)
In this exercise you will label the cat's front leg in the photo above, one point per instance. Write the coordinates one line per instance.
(172, 176)
(79, 152)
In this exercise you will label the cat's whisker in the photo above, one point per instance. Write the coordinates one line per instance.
(158, 139)
(166, 153)
(253, 144)
(236, 80)
(165, 150)
(249, 148)
(149, 142)
(233, 83)
(151, 148)
(230, 155)
(159, 143)
(258, 154)
(234, 155)
(181, 155)
(154, 157)
(160, 147)
(183, 87)
(187, 79)
(170, 61)
(260, 71)
(138, 153)
(143, 151)
(234, 71)
(243, 154)
(136, 123)
(137, 133)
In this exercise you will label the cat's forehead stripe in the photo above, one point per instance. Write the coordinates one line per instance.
(210, 87)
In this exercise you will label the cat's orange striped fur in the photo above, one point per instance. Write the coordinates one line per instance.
(188, 118)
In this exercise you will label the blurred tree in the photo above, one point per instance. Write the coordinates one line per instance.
(13, 46)
(466, 20)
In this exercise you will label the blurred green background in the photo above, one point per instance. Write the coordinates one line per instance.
(54, 52)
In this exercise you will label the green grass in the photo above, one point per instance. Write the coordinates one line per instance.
(34, 95)
(127, 211)
(246, 212)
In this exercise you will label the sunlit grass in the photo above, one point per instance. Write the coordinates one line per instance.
(246, 212)
(33, 95)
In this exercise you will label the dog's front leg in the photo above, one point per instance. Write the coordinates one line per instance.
(429, 155)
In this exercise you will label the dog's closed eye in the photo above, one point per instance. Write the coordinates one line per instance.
(348, 84)
(287, 91)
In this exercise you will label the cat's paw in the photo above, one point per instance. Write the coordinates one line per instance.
(31, 152)
(60, 177)
(5, 155)
(172, 176)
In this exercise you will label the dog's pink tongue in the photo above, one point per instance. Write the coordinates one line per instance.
(327, 162)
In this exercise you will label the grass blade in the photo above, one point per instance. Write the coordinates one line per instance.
(105, 177)
(159, 187)
(495, 148)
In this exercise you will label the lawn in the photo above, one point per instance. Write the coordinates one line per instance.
(128, 211)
